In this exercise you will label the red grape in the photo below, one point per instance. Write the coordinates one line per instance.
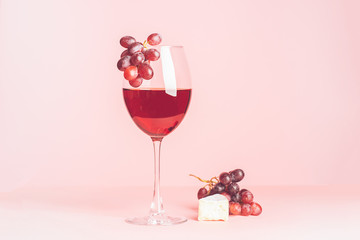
(125, 53)
(154, 39)
(237, 175)
(233, 188)
(245, 209)
(145, 71)
(137, 58)
(225, 178)
(202, 193)
(136, 82)
(226, 195)
(123, 63)
(212, 191)
(152, 54)
(234, 208)
(127, 41)
(135, 47)
(247, 197)
(255, 209)
(243, 190)
(131, 73)
(218, 188)
(236, 197)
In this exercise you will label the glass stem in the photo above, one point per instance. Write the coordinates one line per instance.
(156, 205)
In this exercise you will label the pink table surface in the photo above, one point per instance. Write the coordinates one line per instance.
(289, 212)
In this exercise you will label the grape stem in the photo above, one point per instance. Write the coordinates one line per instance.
(210, 183)
(145, 43)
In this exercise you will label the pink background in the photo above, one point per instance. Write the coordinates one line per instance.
(276, 92)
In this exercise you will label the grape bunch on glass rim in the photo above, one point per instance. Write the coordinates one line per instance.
(135, 60)
(240, 200)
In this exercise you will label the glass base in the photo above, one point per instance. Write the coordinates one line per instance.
(161, 220)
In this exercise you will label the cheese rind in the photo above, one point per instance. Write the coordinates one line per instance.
(214, 207)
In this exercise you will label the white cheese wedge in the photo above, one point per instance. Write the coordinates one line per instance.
(214, 207)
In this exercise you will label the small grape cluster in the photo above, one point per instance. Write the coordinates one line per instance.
(240, 200)
(135, 60)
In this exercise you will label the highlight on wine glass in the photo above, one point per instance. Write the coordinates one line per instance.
(157, 91)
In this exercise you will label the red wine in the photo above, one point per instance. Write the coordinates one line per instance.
(154, 111)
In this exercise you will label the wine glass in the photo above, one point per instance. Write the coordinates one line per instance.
(157, 107)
